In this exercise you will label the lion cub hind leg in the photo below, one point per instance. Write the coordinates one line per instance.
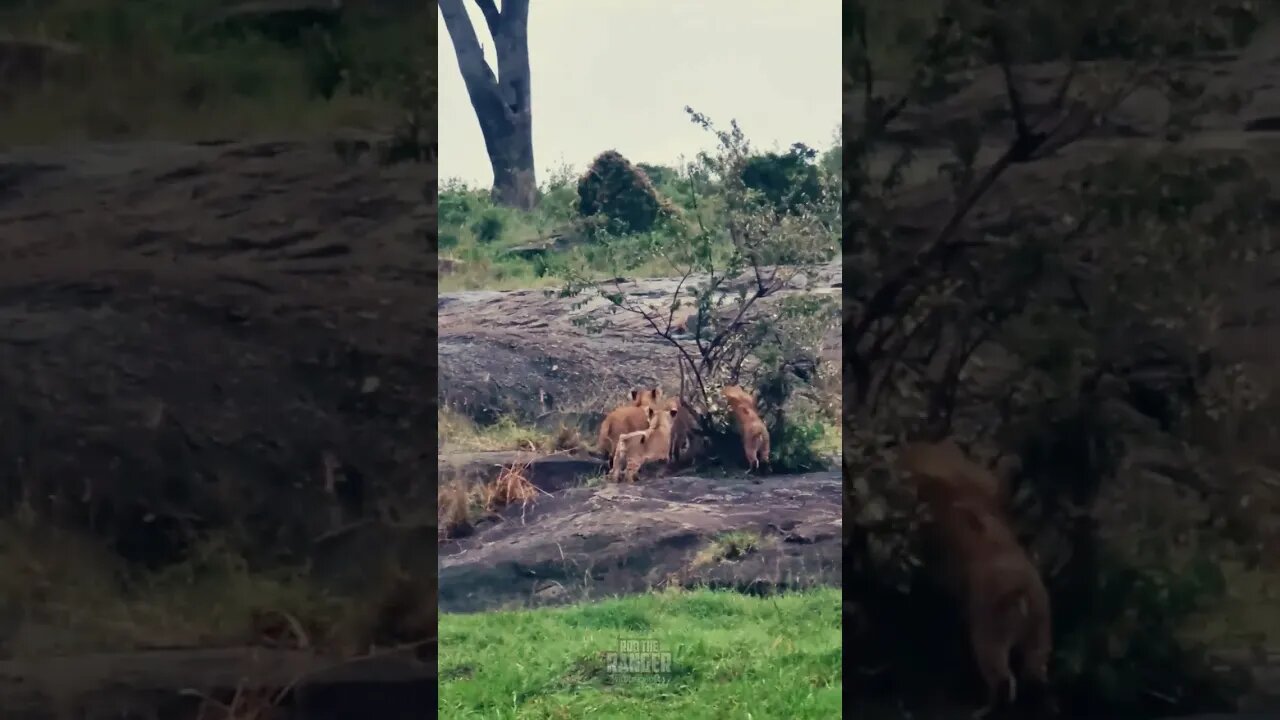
(995, 624)
(629, 447)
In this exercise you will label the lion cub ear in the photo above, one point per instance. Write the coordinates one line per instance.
(657, 393)
(634, 392)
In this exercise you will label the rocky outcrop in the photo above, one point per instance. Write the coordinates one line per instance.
(617, 539)
(210, 331)
(522, 353)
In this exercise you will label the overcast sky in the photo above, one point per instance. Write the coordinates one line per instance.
(616, 74)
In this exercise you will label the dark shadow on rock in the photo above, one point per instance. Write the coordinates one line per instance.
(549, 473)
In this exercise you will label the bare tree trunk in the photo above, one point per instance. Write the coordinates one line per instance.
(501, 102)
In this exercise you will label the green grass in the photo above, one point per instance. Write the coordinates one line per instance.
(1247, 615)
(66, 593)
(458, 433)
(732, 656)
(832, 440)
(730, 546)
(477, 237)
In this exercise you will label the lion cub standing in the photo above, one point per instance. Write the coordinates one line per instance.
(652, 444)
(983, 566)
(755, 436)
(626, 418)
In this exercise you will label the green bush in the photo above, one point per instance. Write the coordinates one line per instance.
(1117, 646)
(787, 180)
(458, 205)
(489, 226)
(794, 446)
(659, 175)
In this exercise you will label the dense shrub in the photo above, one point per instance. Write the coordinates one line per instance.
(614, 189)
(489, 225)
(787, 180)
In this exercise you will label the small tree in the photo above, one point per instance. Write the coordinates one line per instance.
(501, 101)
(727, 268)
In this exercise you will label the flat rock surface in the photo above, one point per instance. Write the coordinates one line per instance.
(617, 539)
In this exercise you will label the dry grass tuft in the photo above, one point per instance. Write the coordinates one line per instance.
(568, 439)
(510, 487)
(404, 615)
(278, 628)
(400, 614)
(460, 502)
(248, 703)
(453, 509)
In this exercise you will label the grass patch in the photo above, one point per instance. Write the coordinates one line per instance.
(731, 656)
(1246, 616)
(151, 69)
(66, 593)
(732, 545)
(458, 433)
(831, 440)
(476, 237)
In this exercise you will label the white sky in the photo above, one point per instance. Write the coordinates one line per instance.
(616, 74)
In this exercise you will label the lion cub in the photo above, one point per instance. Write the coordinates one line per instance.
(652, 444)
(755, 436)
(626, 418)
(983, 566)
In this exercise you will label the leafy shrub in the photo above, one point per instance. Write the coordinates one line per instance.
(1117, 647)
(489, 225)
(793, 447)
(658, 175)
(787, 180)
(458, 204)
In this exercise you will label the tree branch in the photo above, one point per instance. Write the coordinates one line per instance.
(492, 17)
(477, 74)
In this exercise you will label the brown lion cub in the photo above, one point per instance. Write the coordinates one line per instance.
(983, 566)
(626, 418)
(755, 436)
(653, 444)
